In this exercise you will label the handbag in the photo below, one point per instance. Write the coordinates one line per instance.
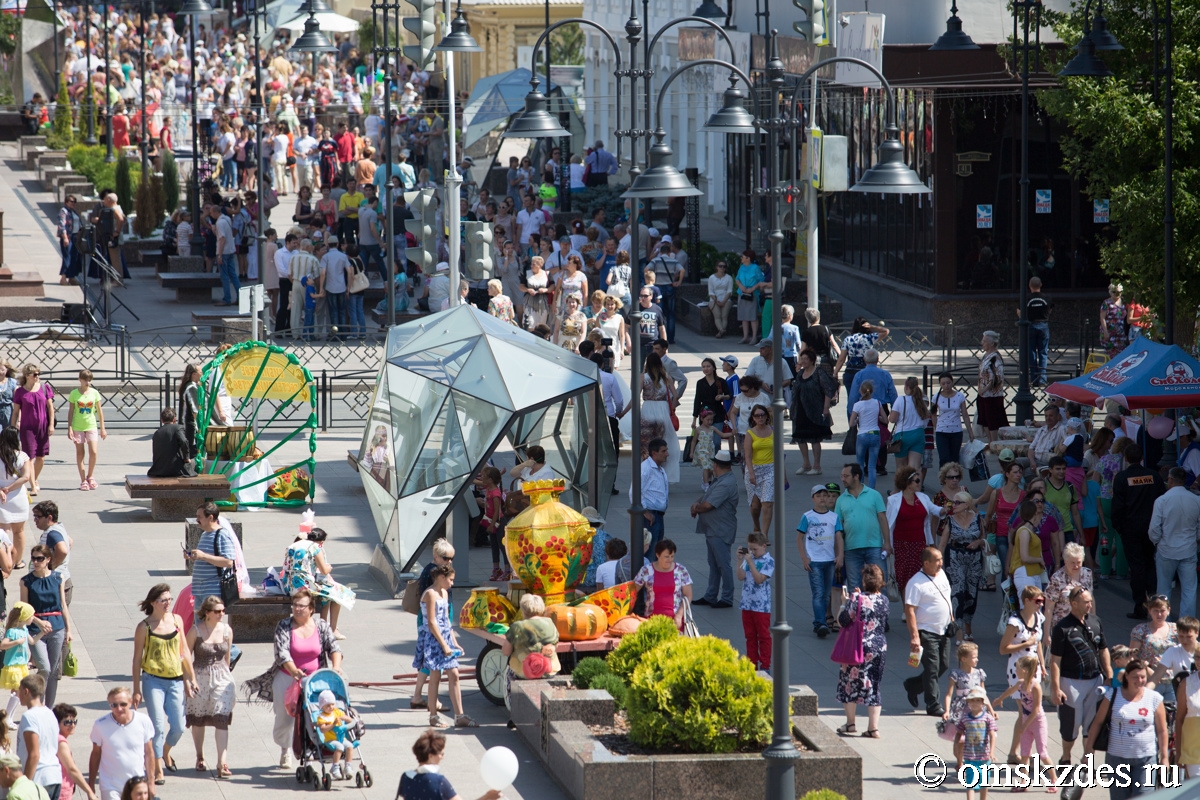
(979, 468)
(291, 698)
(360, 282)
(70, 664)
(270, 198)
(411, 601)
(850, 443)
(687, 449)
(1102, 735)
(690, 629)
(228, 576)
(671, 407)
(893, 586)
(992, 565)
(893, 443)
(848, 649)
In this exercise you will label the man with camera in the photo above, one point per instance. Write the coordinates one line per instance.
(716, 517)
(931, 629)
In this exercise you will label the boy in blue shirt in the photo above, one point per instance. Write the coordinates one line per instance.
(820, 543)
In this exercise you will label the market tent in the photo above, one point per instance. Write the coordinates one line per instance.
(493, 100)
(1144, 375)
(330, 22)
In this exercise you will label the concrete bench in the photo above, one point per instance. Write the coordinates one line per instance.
(29, 143)
(48, 161)
(185, 263)
(53, 176)
(255, 618)
(175, 499)
(80, 188)
(191, 287)
(32, 154)
(216, 317)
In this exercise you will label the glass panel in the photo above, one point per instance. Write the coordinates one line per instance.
(440, 363)
(533, 381)
(415, 403)
(480, 424)
(375, 453)
(435, 333)
(389, 537)
(442, 456)
(523, 424)
(422, 513)
(481, 377)
(382, 504)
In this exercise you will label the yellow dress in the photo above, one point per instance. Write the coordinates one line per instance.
(16, 659)
(1189, 747)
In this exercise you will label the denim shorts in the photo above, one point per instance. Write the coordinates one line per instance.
(911, 441)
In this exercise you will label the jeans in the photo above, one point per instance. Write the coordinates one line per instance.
(866, 451)
(948, 446)
(720, 571)
(820, 581)
(1185, 568)
(1141, 780)
(668, 308)
(46, 655)
(374, 252)
(230, 285)
(229, 173)
(856, 559)
(1039, 350)
(308, 322)
(164, 701)
(356, 320)
(336, 303)
(935, 660)
(656, 531)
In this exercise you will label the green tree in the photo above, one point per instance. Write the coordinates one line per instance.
(566, 48)
(124, 182)
(1114, 142)
(170, 181)
(63, 135)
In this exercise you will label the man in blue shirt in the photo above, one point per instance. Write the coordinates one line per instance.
(601, 163)
(655, 491)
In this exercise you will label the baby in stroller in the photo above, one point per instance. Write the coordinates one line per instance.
(332, 722)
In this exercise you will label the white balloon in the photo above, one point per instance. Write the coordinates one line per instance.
(499, 767)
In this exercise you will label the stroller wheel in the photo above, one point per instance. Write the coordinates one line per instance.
(327, 781)
(367, 778)
(314, 779)
(358, 780)
(300, 775)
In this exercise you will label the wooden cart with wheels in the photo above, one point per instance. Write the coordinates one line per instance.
(491, 664)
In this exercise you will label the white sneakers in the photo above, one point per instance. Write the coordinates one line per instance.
(285, 759)
(336, 772)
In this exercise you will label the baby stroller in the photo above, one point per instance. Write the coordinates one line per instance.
(308, 739)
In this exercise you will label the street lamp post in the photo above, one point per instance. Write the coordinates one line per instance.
(389, 234)
(89, 63)
(108, 129)
(257, 9)
(143, 12)
(191, 9)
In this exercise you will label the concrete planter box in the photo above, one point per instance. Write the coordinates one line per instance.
(29, 143)
(32, 154)
(553, 720)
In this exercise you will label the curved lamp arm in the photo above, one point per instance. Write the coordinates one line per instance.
(680, 21)
(891, 97)
(716, 62)
(616, 51)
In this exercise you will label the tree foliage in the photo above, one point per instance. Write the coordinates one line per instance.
(63, 134)
(123, 179)
(1114, 143)
(170, 181)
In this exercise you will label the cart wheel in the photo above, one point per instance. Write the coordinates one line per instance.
(327, 781)
(312, 774)
(358, 780)
(489, 672)
(299, 774)
(315, 781)
(367, 778)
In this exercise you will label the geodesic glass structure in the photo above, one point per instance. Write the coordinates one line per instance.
(452, 387)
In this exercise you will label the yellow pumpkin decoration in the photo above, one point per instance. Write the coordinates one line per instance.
(578, 623)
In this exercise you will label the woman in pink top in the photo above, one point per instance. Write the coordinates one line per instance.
(1004, 501)
(303, 643)
(72, 778)
(666, 584)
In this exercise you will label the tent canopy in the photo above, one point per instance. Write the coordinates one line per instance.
(1144, 375)
(330, 22)
(493, 100)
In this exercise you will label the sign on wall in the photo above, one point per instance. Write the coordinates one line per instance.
(983, 216)
(1041, 201)
(861, 37)
(1100, 212)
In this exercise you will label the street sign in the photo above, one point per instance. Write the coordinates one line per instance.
(250, 301)
(1100, 212)
(983, 216)
(861, 37)
(1041, 201)
(814, 152)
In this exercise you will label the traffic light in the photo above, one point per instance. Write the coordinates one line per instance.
(424, 27)
(479, 250)
(820, 28)
(423, 226)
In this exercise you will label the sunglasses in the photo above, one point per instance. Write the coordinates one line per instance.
(915, 479)
(1041, 601)
(955, 477)
(71, 721)
(36, 559)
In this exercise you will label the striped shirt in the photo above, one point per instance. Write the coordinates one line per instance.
(206, 579)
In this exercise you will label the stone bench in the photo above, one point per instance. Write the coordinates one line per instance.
(174, 499)
(32, 155)
(254, 619)
(52, 176)
(83, 188)
(185, 263)
(48, 161)
(29, 143)
(191, 287)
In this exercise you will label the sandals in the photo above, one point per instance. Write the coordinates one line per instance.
(84, 487)
(20, 565)
(224, 773)
(435, 720)
(871, 734)
(463, 721)
(92, 483)
(424, 704)
(201, 766)
(847, 730)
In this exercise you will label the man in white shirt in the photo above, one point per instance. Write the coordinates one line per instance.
(279, 148)
(1175, 530)
(1043, 442)
(37, 735)
(558, 259)
(928, 614)
(305, 149)
(283, 260)
(529, 220)
(655, 491)
(762, 367)
(122, 746)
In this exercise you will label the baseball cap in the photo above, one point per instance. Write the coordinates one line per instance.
(730, 360)
(443, 266)
(666, 238)
(1007, 455)
(834, 487)
(723, 457)
(1074, 424)
(765, 343)
(820, 487)
(653, 232)
(10, 760)
(564, 239)
(978, 693)
(468, 160)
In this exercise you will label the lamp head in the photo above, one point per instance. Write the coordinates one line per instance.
(661, 179)
(733, 116)
(535, 122)
(1085, 63)
(890, 175)
(312, 40)
(192, 7)
(1101, 35)
(954, 38)
(459, 40)
(709, 10)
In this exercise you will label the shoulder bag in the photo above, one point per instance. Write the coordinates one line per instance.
(411, 601)
(1102, 735)
(848, 649)
(690, 629)
(893, 586)
(360, 282)
(893, 445)
(228, 576)
(671, 406)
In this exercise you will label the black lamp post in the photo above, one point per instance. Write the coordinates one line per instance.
(191, 9)
(257, 9)
(108, 130)
(143, 12)
(89, 62)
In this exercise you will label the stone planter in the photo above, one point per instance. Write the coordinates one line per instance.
(553, 720)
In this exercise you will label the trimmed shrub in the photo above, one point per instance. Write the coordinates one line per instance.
(88, 160)
(124, 183)
(634, 647)
(587, 670)
(700, 696)
(613, 685)
(63, 135)
(170, 181)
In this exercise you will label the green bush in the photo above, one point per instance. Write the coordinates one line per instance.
(823, 794)
(613, 685)
(63, 135)
(170, 181)
(607, 196)
(88, 161)
(634, 647)
(700, 696)
(587, 670)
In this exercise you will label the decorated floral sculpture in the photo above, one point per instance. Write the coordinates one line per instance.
(549, 544)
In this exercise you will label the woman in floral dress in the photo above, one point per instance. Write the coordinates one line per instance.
(1149, 640)
(305, 567)
(537, 294)
(499, 306)
(861, 683)
(570, 327)
(964, 543)
(1113, 335)
(211, 641)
